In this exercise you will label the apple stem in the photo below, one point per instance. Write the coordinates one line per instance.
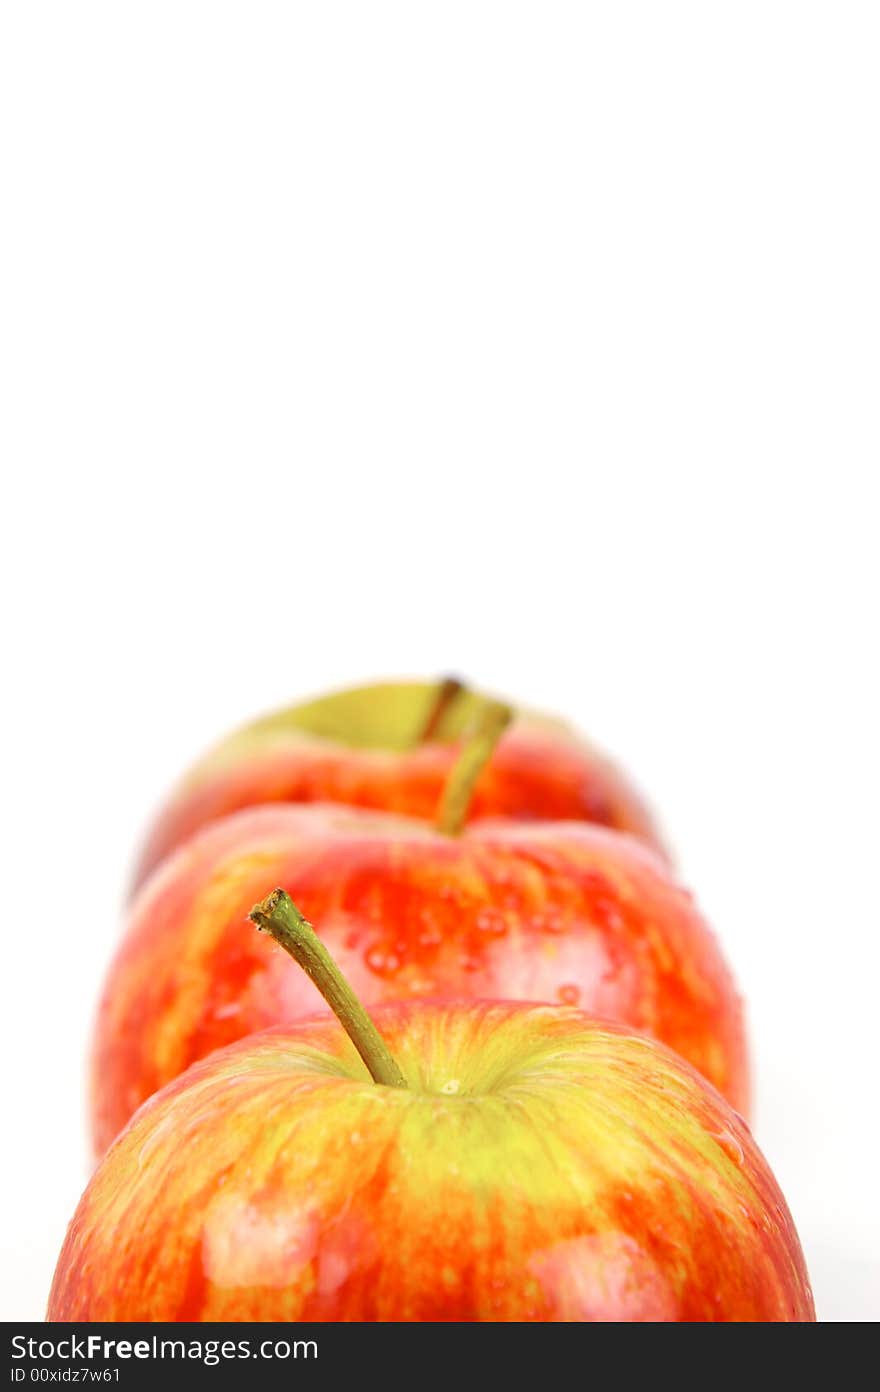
(448, 690)
(278, 915)
(459, 788)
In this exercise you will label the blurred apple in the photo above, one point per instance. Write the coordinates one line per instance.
(562, 912)
(392, 746)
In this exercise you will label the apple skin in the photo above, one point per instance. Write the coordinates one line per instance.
(539, 1166)
(360, 746)
(559, 912)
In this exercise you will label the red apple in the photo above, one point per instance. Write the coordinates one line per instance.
(367, 746)
(513, 1162)
(562, 912)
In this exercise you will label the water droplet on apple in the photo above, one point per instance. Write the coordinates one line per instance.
(608, 913)
(730, 1145)
(227, 1011)
(492, 922)
(431, 934)
(569, 994)
(451, 1087)
(375, 958)
(550, 921)
(381, 960)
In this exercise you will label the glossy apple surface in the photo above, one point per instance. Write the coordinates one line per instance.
(560, 912)
(362, 746)
(539, 1166)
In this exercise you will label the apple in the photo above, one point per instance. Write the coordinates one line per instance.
(566, 912)
(466, 1161)
(392, 746)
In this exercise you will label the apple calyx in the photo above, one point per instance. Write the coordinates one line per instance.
(448, 690)
(278, 916)
(458, 791)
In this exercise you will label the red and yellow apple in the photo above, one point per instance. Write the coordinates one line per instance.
(367, 746)
(560, 912)
(514, 1162)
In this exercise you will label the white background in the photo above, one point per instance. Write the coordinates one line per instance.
(537, 342)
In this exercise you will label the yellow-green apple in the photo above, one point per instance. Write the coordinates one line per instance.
(392, 746)
(468, 1161)
(558, 911)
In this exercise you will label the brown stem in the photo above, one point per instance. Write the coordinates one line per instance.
(459, 788)
(448, 691)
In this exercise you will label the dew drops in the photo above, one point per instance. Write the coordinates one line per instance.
(731, 1146)
(431, 934)
(227, 1011)
(381, 960)
(608, 913)
(451, 1087)
(569, 994)
(744, 1211)
(491, 922)
(550, 921)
